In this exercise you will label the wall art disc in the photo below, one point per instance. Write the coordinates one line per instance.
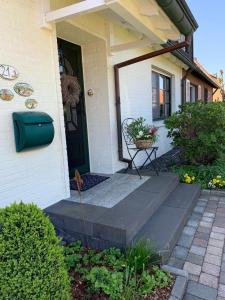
(8, 72)
(31, 103)
(23, 89)
(6, 94)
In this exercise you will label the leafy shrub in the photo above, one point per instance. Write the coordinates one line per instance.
(199, 128)
(31, 259)
(141, 256)
(111, 283)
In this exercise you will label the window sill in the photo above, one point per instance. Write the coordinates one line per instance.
(159, 123)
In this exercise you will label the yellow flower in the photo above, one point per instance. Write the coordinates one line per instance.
(193, 178)
(218, 177)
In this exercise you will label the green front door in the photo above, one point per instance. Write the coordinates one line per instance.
(71, 72)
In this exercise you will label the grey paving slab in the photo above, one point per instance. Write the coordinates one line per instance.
(201, 291)
(180, 252)
(195, 259)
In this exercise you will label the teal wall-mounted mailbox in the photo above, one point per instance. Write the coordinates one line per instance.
(32, 129)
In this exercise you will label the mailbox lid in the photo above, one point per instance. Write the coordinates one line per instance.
(28, 117)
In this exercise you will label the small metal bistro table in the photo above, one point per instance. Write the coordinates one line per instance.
(133, 150)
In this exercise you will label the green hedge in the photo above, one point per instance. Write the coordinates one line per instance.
(31, 258)
(199, 128)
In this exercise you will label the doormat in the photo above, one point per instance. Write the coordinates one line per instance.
(89, 182)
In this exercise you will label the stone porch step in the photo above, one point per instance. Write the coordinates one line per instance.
(121, 223)
(117, 226)
(166, 225)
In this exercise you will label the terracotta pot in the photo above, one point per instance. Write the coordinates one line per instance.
(143, 144)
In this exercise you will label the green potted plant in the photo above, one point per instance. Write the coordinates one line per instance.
(143, 135)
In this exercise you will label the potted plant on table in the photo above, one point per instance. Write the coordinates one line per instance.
(143, 135)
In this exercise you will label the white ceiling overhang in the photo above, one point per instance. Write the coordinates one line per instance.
(142, 16)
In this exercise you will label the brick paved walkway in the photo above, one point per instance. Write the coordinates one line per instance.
(201, 251)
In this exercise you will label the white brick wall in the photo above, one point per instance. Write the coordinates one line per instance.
(41, 175)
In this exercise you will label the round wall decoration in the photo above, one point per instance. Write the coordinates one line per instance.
(23, 89)
(31, 103)
(6, 94)
(8, 72)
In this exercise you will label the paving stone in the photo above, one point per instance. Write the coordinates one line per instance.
(201, 203)
(207, 219)
(214, 250)
(212, 210)
(217, 236)
(220, 298)
(200, 242)
(180, 252)
(193, 223)
(185, 241)
(176, 263)
(202, 236)
(221, 290)
(209, 280)
(179, 287)
(199, 209)
(211, 269)
(193, 277)
(214, 198)
(201, 291)
(209, 215)
(198, 250)
(195, 259)
(223, 258)
(205, 224)
(189, 230)
(222, 277)
(218, 229)
(191, 297)
(204, 229)
(215, 243)
(221, 210)
(223, 266)
(192, 268)
(212, 259)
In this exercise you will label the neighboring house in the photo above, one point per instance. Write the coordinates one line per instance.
(197, 83)
(219, 94)
(44, 40)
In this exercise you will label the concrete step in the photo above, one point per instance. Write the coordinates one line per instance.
(165, 226)
(121, 223)
(102, 227)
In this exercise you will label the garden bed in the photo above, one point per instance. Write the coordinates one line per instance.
(111, 274)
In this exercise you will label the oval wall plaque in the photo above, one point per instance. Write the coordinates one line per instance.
(8, 72)
(23, 89)
(31, 103)
(6, 94)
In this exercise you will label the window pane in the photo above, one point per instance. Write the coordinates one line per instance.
(160, 96)
(167, 110)
(154, 79)
(161, 83)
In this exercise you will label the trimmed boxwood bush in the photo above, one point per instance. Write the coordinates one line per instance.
(199, 128)
(31, 258)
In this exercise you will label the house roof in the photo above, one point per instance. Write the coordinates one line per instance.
(180, 14)
(194, 65)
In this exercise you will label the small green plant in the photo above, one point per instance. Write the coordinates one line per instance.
(138, 130)
(111, 283)
(141, 256)
(31, 258)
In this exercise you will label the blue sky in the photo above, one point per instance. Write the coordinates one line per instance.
(210, 36)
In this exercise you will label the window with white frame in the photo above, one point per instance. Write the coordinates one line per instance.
(161, 96)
